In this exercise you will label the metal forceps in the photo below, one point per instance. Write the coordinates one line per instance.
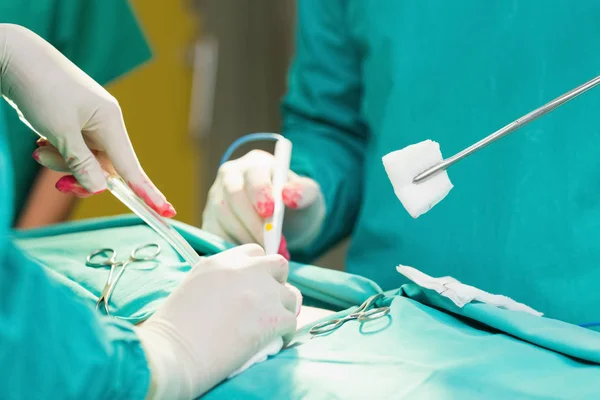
(364, 313)
(513, 126)
(107, 257)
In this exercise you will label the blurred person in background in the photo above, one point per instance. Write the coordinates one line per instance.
(105, 40)
(372, 77)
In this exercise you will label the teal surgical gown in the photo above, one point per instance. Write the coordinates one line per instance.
(370, 77)
(53, 345)
(102, 37)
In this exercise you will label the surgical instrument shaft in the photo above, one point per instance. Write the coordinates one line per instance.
(273, 224)
(513, 126)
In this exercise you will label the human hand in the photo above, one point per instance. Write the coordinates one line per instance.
(81, 121)
(241, 199)
(228, 308)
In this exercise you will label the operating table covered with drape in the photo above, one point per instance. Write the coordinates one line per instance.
(427, 348)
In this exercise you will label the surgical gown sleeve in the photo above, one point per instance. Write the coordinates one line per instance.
(321, 116)
(52, 346)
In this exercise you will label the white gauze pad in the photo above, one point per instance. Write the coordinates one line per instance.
(403, 165)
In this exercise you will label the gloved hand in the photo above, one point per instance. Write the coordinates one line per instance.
(80, 119)
(228, 307)
(241, 198)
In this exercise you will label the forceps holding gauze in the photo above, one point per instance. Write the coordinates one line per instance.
(418, 172)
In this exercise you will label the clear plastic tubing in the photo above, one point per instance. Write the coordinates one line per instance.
(122, 192)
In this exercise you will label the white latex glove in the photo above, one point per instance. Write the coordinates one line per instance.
(228, 307)
(82, 121)
(241, 198)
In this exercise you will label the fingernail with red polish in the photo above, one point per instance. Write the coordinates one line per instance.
(68, 184)
(65, 183)
(291, 196)
(264, 208)
(168, 211)
(264, 204)
(165, 210)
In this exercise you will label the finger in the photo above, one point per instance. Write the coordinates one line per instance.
(241, 257)
(211, 225)
(227, 218)
(291, 298)
(240, 205)
(232, 225)
(69, 185)
(283, 250)
(300, 192)
(82, 163)
(251, 250)
(125, 162)
(49, 157)
(287, 326)
(274, 264)
(214, 207)
(259, 189)
(143, 187)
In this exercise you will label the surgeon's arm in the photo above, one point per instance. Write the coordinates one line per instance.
(105, 40)
(321, 117)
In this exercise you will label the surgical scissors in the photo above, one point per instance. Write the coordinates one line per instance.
(364, 313)
(107, 257)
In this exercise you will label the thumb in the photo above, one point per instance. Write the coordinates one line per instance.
(82, 163)
(300, 192)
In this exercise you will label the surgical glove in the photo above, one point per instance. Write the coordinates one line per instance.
(241, 199)
(227, 308)
(80, 120)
